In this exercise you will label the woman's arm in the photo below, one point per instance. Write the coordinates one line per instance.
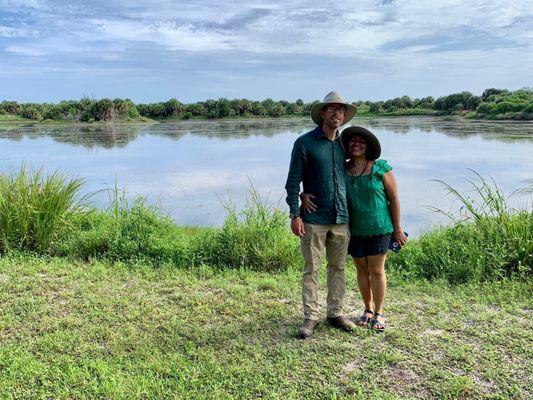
(394, 204)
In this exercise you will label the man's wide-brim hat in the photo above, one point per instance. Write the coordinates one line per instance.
(332, 98)
(373, 148)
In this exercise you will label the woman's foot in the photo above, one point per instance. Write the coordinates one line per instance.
(365, 319)
(378, 322)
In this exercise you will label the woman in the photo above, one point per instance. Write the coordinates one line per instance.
(374, 209)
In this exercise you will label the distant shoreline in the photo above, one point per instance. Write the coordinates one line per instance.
(143, 120)
(493, 104)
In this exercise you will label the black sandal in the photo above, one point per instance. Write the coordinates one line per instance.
(363, 320)
(376, 325)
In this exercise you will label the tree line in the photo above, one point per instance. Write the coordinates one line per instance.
(492, 104)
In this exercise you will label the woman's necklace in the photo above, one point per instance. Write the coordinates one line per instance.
(362, 172)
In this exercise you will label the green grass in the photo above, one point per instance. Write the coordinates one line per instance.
(46, 214)
(12, 118)
(256, 238)
(35, 208)
(101, 330)
(486, 241)
(138, 307)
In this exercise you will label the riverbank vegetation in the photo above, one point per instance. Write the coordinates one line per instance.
(45, 214)
(492, 104)
(122, 303)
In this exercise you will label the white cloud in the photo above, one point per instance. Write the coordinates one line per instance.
(11, 32)
(327, 28)
(274, 44)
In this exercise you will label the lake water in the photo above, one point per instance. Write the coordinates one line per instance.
(188, 167)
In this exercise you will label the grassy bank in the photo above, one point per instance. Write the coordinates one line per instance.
(107, 330)
(121, 303)
(44, 214)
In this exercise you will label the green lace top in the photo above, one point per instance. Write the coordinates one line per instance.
(368, 205)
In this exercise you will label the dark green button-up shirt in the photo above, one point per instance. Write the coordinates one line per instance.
(319, 163)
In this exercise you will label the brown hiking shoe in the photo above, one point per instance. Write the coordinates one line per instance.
(342, 322)
(307, 328)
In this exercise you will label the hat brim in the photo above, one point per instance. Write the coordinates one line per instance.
(351, 110)
(373, 146)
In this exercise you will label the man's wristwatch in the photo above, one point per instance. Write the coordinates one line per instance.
(292, 216)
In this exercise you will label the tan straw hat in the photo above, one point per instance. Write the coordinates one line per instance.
(332, 98)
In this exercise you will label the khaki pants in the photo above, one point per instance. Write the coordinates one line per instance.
(335, 238)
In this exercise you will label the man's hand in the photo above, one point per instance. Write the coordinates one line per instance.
(297, 226)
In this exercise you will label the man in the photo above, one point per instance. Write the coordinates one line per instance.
(318, 160)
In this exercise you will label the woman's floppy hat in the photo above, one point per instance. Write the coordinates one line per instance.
(373, 148)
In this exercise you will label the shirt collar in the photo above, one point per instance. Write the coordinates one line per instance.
(319, 133)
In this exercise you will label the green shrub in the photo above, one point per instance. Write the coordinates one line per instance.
(508, 106)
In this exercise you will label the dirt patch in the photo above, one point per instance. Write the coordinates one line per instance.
(433, 332)
(404, 381)
(350, 367)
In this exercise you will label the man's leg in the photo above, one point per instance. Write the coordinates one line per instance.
(336, 251)
(312, 247)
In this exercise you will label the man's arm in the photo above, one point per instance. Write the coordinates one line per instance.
(296, 168)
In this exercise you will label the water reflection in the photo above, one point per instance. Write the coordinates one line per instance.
(187, 166)
(455, 126)
(89, 136)
(119, 135)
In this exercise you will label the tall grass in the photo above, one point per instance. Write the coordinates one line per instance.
(257, 237)
(126, 230)
(487, 239)
(35, 208)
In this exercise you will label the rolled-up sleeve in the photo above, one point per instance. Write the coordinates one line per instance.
(295, 176)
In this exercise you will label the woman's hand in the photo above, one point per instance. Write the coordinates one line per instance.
(307, 202)
(399, 236)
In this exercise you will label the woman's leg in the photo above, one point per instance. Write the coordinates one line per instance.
(378, 279)
(363, 281)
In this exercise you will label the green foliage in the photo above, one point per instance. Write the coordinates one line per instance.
(124, 232)
(487, 241)
(256, 238)
(36, 208)
(31, 111)
(503, 104)
(487, 93)
(453, 102)
(10, 107)
(516, 105)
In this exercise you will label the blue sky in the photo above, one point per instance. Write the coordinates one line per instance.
(195, 50)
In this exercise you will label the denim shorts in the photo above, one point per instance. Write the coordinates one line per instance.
(362, 246)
